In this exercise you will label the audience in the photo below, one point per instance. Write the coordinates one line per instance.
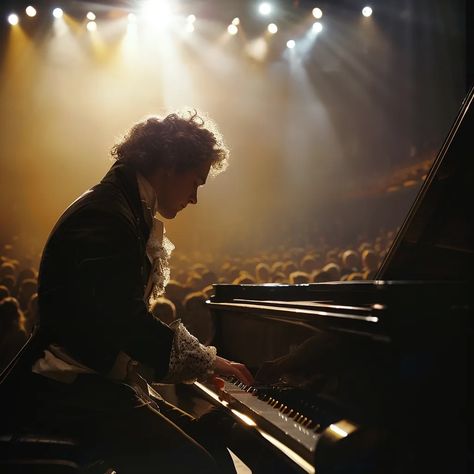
(193, 276)
(164, 309)
(12, 332)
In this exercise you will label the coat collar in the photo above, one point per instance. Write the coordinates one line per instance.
(124, 176)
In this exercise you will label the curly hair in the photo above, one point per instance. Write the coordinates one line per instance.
(181, 140)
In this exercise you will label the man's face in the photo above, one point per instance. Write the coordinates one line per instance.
(176, 189)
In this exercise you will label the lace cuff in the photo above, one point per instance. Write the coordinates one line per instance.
(189, 359)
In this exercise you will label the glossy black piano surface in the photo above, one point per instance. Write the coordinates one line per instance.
(365, 377)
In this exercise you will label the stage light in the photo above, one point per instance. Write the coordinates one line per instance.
(13, 19)
(157, 12)
(132, 18)
(232, 29)
(91, 26)
(290, 44)
(189, 27)
(317, 27)
(191, 18)
(236, 21)
(257, 49)
(58, 13)
(272, 28)
(317, 13)
(264, 8)
(91, 16)
(367, 11)
(30, 11)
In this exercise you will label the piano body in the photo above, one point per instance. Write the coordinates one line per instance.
(364, 377)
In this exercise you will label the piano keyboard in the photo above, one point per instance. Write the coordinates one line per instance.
(284, 416)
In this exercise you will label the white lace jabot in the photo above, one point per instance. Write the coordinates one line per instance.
(158, 247)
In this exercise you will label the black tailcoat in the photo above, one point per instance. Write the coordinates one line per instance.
(92, 277)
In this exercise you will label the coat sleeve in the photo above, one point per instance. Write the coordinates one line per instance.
(103, 289)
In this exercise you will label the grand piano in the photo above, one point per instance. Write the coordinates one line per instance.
(365, 376)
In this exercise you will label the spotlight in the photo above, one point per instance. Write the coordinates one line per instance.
(91, 16)
(290, 44)
(30, 11)
(232, 29)
(317, 13)
(191, 18)
(13, 19)
(367, 11)
(264, 8)
(272, 28)
(91, 26)
(189, 27)
(58, 13)
(236, 21)
(157, 12)
(317, 27)
(132, 18)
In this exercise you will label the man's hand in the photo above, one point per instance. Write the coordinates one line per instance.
(228, 368)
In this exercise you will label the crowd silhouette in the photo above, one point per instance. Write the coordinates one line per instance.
(193, 275)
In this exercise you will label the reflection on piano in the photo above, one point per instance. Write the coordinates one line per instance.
(364, 377)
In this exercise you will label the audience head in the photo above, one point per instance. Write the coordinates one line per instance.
(262, 271)
(333, 271)
(320, 276)
(208, 291)
(27, 289)
(11, 316)
(163, 309)
(308, 264)
(197, 317)
(4, 292)
(7, 268)
(244, 279)
(369, 260)
(350, 259)
(9, 282)
(298, 278)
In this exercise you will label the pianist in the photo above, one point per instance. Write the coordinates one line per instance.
(104, 264)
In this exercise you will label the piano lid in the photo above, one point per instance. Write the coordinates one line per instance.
(436, 240)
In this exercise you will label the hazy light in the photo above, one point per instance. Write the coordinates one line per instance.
(317, 27)
(232, 29)
(91, 26)
(58, 13)
(30, 11)
(132, 28)
(236, 21)
(290, 44)
(13, 19)
(191, 18)
(367, 11)
(317, 13)
(91, 16)
(272, 28)
(189, 27)
(264, 8)
(257, 49)
(157, 11)
(132, 18)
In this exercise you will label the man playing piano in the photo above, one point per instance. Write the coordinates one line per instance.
(104, 263)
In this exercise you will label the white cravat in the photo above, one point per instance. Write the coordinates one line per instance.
(158, 247)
